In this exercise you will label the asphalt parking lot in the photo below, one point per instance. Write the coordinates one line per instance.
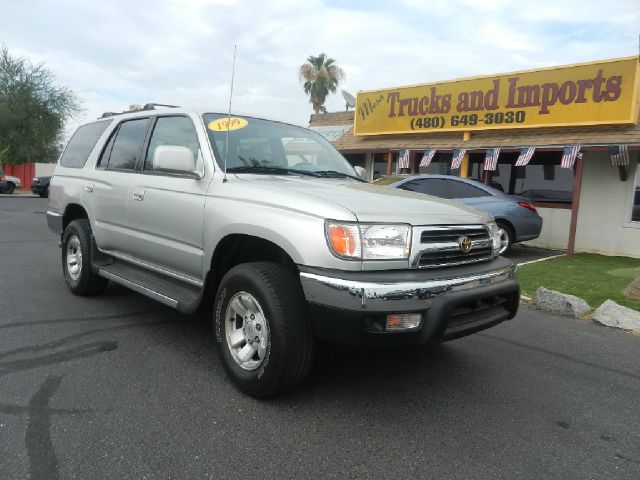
(118, 386)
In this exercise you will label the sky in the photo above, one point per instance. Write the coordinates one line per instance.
(116, 53)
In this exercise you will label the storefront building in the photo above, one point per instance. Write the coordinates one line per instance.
(567, 138)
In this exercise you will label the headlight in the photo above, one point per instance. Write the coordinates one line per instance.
(496, 236)
(369, 241)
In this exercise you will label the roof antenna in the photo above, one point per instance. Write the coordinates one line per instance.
(226, 143)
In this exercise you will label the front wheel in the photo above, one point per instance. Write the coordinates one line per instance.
(76, 260)
(9, 188)
(506, 239)
(262, 329)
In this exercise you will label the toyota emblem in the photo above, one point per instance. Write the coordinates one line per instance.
(465, 244)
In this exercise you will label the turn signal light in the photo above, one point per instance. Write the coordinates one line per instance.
(398, 322)
(528, 206)
(344, 239)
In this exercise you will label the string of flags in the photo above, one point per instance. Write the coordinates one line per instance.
(619, 157)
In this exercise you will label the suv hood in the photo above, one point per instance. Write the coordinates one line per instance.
(367, 202)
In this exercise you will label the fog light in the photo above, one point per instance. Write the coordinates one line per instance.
(403, 321)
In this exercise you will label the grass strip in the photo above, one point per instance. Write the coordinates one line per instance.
(594, 278)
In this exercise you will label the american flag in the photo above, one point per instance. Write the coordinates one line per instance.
(491, 159)
(456, 161)
(569, 155)
(525, 155)
(619, 155)
(427, 156)
(403, 159)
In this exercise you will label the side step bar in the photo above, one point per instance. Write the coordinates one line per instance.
(176, 294)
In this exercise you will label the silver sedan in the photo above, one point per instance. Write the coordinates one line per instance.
(515, 215)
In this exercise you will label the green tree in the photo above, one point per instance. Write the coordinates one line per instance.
(33, 110)
(320, 75)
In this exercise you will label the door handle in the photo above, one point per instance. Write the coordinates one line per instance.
(138, 195)
(88, 187)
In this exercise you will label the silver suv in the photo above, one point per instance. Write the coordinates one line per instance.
(289, 243)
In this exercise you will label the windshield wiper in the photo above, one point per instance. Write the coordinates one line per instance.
(258, 169)
(336, 174)
(268, 169)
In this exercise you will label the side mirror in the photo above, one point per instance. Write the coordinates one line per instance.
(174, 158)
(362, 173)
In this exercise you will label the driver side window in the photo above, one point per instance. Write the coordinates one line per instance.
(175, 131)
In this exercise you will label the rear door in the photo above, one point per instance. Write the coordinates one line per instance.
(106, 194)
(166, 209)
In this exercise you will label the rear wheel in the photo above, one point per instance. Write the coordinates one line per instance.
(76, 260)
(9, 188)
(262, 329)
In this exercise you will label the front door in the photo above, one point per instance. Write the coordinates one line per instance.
(166, 209)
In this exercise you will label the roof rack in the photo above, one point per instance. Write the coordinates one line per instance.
(152, 106)
(147, 106)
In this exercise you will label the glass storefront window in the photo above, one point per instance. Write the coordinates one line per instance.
(379, 165)
(541, 181)
(440, 165)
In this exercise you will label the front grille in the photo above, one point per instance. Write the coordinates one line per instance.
(478, 311)
(439, 246)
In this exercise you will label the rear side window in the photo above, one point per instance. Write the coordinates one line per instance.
(125, 151)
(81, 144)
(434, 186)
(464, 190)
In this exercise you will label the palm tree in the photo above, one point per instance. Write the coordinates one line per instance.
(320, 75)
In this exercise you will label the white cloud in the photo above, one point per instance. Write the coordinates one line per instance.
(180, 51)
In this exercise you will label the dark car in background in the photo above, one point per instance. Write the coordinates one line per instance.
(9, 183)
(40, 186)
(515, 215)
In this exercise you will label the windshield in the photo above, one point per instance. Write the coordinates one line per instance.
(256, 145)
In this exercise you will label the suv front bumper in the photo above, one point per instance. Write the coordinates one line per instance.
(351, 307)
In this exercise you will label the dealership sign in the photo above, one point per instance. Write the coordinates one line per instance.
(585, 94)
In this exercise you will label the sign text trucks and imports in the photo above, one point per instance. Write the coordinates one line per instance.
(585, 94)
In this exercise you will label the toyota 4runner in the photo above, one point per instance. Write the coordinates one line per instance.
(288, 243)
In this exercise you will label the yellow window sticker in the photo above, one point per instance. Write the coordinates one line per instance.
(234, 123)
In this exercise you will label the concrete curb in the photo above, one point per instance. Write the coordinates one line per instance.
(20, 193)
(540, 260)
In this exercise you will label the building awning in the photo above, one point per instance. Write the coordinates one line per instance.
(587, 136)
(331, 132)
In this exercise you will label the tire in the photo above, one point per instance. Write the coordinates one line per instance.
(44, 194)
(263, 301)
(9, 188)
(77, 243)
(507, 237)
